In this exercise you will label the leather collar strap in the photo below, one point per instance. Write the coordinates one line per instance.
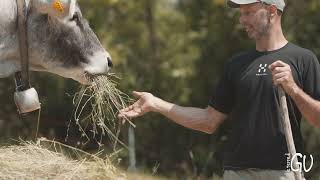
(22, 78)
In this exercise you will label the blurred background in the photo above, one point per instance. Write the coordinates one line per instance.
(174, 49)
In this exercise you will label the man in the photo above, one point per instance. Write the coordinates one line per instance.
(247, 95)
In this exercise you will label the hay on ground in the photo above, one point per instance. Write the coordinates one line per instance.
(35, 161)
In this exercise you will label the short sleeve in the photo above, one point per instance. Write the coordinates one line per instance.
(222, 98)
(311, 76)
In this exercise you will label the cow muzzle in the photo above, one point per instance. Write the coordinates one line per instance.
(100, 63)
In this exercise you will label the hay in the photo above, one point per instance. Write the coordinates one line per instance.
(35, 161)
(104, 101)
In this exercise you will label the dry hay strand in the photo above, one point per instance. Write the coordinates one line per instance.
(35, 161)
(104, 100)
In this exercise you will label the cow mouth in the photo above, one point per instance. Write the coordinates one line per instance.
(91, 77)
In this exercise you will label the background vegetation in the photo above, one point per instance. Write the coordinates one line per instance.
(174, 49)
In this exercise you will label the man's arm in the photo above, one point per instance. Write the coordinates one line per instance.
(309, 107)
(205, 120)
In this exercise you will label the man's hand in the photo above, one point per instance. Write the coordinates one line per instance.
(144, 104)
(309, 107)
(282, 75)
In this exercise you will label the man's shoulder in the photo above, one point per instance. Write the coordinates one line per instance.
(301, 51)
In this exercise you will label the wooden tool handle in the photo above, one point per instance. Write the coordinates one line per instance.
(288, 132)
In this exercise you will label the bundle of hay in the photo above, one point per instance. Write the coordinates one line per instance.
(35, 161)
(97, 105)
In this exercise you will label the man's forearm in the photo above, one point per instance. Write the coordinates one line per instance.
(309, 107)
(193, 118)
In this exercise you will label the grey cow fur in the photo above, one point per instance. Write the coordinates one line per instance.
(65, 46)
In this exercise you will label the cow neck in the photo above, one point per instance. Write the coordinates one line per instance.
(22, 77)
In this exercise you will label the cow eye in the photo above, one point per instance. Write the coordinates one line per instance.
(75, 17)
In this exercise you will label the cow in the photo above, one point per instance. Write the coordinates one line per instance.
(60, 41)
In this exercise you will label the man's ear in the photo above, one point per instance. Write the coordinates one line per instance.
(273, 11)
(55, 8)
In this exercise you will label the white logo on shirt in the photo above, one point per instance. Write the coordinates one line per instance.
(262, 69)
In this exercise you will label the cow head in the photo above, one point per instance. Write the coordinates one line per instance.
(61, 41)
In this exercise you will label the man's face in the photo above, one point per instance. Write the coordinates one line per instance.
(254, 18)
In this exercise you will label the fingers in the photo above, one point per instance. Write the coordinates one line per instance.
(278, 70)
(280, 81)
(128, 115)
(126, 109)
(131, 115)
(280, 78)
(279, 67)
(137, 94)
(276, 64)
(130, 112)
(135, 109)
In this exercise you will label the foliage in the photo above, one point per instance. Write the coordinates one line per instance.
(176, 50)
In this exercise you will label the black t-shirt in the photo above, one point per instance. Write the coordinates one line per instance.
(246, 93)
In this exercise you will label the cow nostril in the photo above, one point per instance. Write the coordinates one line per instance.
(109, 62)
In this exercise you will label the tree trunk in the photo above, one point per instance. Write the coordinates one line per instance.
(153, 42)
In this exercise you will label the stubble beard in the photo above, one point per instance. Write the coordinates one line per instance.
(263, 30)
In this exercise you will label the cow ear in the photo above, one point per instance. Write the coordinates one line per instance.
(56, 8)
